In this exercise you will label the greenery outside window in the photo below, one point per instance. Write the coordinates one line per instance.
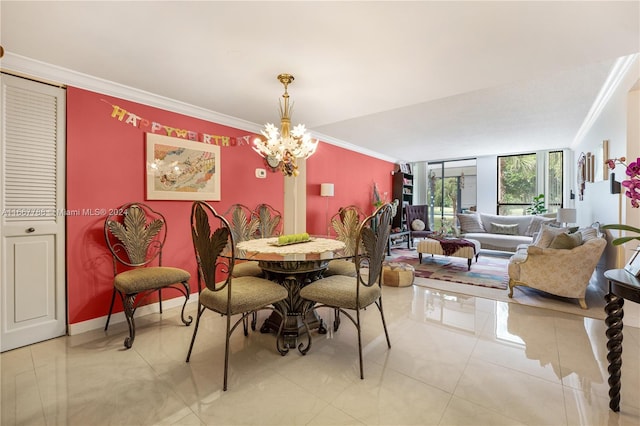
(451, 189)
(522, 177)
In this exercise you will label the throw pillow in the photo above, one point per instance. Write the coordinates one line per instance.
(547, 234)
(470, 223)
(500, 228)
(417, 225)
(536, 222)
(588, 233)
(566, 241)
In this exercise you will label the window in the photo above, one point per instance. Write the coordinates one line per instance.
(522, 177)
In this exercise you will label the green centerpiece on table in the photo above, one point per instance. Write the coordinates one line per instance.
(293, 238)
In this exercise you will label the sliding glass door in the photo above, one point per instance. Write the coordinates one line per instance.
(451, 189)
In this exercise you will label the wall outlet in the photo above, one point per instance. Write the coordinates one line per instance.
(261, 173)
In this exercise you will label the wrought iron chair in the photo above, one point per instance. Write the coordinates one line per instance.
(222, 292)
(243, 227)
(345, 223)
(343, 292)
(269, 221)
(135, 236)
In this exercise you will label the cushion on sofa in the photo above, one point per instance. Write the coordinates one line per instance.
(523, 221)
(588, 233)
(500, 228)
(470, 223)
(547, 234)
(536, 222)
(566, 241)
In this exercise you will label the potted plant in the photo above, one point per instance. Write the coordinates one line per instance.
(537, 206)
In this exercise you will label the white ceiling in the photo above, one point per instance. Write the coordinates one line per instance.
(411, 81)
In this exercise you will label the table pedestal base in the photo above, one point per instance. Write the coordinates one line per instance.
(293, 276)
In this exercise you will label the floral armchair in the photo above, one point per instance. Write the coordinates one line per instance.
(562, 272)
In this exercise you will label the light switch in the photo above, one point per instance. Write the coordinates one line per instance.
(261, 173)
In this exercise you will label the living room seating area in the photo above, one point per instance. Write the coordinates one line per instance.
(498, 232)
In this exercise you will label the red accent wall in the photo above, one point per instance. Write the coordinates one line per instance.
(353, 176)
(106, 168)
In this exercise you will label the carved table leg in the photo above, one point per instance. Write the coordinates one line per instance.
(615, 314)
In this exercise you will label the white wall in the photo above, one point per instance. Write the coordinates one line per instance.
(612, 124)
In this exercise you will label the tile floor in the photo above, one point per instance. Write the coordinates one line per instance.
(455, 360)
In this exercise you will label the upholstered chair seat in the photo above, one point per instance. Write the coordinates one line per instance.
(248, 294)
(337, 290)
(340, 267)
(151, 278)
(247, 269)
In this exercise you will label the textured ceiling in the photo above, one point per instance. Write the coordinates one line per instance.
(411, 81)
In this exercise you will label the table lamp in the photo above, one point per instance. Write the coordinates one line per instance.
(566, 216)
(326, 190)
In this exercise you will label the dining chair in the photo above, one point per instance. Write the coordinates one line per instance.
(356, 293)
(135, 235)
(243, 226)
(345, 223)
(222, 292)
(269, 221)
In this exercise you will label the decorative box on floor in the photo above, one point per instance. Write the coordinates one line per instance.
(397, 274)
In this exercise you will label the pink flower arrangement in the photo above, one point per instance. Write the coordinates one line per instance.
(633, 183)
(633, 192)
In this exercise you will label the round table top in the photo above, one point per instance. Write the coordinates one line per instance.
(318, 248)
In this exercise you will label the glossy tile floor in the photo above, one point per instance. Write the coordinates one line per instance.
(455, 360)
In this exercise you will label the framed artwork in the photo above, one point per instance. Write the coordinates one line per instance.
(180, 169)
(581, 175)
(600, 167)
(633, 266)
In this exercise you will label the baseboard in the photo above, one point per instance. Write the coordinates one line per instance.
(152, 308)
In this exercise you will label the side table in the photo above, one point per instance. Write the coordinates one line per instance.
(622, 285)
(393, 235)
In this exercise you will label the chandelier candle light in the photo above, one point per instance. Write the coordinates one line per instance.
(286, 145)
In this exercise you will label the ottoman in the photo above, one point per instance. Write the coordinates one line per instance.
(433, 246)
(397, 274)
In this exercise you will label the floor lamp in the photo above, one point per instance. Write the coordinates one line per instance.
(326, 190)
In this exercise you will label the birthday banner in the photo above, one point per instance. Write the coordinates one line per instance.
(144, 124)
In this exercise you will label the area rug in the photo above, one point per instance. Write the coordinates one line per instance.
(486, 272)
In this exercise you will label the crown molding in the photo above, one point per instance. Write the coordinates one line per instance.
(55, 75)
(619, 70)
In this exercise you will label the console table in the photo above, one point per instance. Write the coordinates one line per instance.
(622, 285)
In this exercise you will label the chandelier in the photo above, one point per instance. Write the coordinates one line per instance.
(281, 148)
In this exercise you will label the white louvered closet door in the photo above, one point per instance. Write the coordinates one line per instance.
(32, 199)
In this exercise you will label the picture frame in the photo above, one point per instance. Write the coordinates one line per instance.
(633, 265)
(181, 169)
(601, 166)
